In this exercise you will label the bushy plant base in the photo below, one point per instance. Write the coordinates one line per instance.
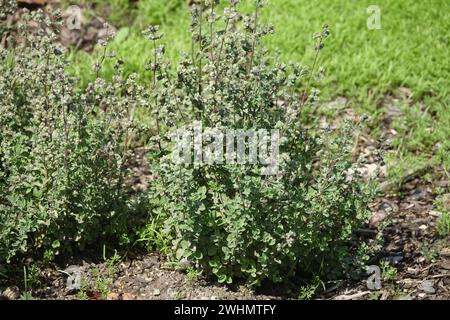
(235, 223)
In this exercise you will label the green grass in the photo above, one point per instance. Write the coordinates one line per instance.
(129, 44)
(410, 50)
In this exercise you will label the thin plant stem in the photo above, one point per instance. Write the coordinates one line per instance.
(200, 52)
(252, 53)
(316, 59)
(158, 130)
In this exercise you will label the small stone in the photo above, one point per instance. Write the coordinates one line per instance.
(156, 292)
(403, 297)
(427, 286)
(437, 147)
(185, 264)
(394, 260)
(376, 218)
(12, 293)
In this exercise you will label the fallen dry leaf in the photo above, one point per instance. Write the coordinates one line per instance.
(113, 296)
(94, 295)
(445, 264)
(355, 296)
(445, 252)
(127, 296)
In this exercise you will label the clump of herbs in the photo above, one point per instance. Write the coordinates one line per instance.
(63, 151)
(228, 219)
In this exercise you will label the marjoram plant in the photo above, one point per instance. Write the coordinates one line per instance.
(63, 150)
(228, 219)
